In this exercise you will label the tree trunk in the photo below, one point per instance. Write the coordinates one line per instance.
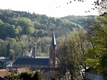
(72, 75)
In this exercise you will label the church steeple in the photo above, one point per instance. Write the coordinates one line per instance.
(53, 43)
(52, 52)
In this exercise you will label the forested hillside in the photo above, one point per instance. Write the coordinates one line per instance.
(84, 21)
(20, 31)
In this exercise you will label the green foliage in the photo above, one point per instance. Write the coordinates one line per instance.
(36, 76)
(12, 77)
(24, 76)
(96, 54)
(103, 64)
(25, 30)
(2, 48)
(84, 21)
(71, 52)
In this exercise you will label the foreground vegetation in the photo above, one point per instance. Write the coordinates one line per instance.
(86, 48)
(24, 76)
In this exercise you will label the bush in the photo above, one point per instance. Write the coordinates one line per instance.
(26, 76)
(36, 76)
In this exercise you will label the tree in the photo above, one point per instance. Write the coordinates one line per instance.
(12, 54)
(12, 77)
(30, 30)
(3, 50)
(96, 55)
(36, 76)
(24, 30)
(71, 53)
(65, 55)
(101, 6)
(81, 44)
(8, 49)
(25, 76)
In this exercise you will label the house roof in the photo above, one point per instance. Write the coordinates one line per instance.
(31, 61)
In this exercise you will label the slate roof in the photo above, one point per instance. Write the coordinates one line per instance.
(31, 61)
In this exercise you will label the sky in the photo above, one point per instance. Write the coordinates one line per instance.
(51, 8)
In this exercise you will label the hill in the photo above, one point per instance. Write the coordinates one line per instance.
(20, 31)
(84, 21)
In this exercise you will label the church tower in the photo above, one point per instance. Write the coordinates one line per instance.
(52, 52)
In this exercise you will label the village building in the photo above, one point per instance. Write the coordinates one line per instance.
(38, 62)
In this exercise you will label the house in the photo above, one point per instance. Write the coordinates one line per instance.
(33, 63)
(38, 62)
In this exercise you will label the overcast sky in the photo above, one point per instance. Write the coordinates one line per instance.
(53, 8)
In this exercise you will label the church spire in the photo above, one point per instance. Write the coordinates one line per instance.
(53, 52)
(53, 43)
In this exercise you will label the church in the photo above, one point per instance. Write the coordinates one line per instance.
(37, 62)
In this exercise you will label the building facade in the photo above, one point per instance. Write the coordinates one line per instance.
(39, 62)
